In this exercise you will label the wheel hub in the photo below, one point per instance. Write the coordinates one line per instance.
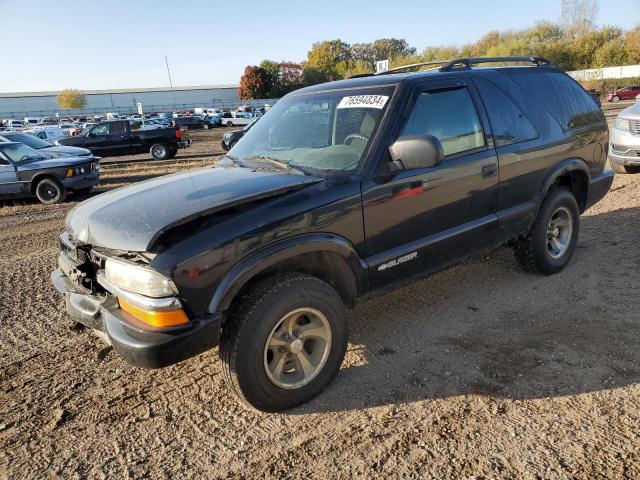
(559, 233)
(297, 348)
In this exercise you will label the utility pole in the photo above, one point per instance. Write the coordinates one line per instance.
(170, 83)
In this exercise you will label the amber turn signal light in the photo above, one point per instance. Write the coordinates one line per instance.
(156, 318)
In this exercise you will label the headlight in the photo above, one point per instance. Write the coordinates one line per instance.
(138, 279)
(621, 124)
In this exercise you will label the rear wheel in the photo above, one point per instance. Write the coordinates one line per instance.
(50, 190)
(615, 99)
(159, 151)
(173, 151)
(229, 124)
(205, 126)
(285, 343)
(550, 243)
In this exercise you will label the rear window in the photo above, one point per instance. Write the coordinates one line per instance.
(561, 96)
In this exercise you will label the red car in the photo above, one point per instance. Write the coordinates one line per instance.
(624, 93)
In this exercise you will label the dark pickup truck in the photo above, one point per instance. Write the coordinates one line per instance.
(340, 192)
(115, 138)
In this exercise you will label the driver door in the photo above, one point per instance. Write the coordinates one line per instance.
(417, 221)
(8, 178)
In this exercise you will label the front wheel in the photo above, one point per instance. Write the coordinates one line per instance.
(615, 99)
(229, 124)
(550, 243)
(285, 343)
(49, 190)
(160, 151)
(205, 126)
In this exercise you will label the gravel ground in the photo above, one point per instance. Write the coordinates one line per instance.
(481, 371)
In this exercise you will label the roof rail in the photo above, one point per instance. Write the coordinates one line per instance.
(413, 65)
(465, 63)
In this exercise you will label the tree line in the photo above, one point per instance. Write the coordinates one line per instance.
(574, 43)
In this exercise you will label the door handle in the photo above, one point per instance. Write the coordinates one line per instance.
(489, 170)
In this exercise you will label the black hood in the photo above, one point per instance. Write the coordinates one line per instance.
(131, 218)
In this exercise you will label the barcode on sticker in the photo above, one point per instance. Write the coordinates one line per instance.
(363, 101)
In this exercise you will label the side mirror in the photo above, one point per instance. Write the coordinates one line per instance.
(417, 151)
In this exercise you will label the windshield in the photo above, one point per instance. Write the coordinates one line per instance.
(28, 139)
(20, 153)
(327, 131)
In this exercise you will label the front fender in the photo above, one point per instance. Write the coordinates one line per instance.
(277, 252)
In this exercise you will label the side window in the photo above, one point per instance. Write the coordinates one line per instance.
(41, 134)
(560, 95)
(100, 130)
(116, 128)
(448, 115)
(508, 123)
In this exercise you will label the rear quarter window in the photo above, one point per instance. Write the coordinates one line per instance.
(561, 96)
(508, 123)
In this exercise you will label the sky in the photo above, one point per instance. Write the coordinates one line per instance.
(56, 44)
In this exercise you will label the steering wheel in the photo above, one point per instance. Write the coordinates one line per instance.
(355, 135)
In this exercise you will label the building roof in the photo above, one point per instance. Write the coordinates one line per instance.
(119, 90)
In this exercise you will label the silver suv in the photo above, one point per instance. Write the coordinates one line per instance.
(624, 141)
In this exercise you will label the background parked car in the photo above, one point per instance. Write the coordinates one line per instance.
(625, 93)
(229, 139)
(26, 172)
(44, 147)
(231, 119)
(189, 122)
(51, 134)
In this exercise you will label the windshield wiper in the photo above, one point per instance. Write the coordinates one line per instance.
(274, 161)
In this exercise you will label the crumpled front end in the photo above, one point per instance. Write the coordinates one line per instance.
(147, 331)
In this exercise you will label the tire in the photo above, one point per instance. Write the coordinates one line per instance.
(173, 151)
(205, 126)
(251, 368)
(49, 191)
(159, 151)
(229, 124)
(615, 99)
(534, 251)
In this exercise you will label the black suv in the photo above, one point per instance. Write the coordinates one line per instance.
(340, 192)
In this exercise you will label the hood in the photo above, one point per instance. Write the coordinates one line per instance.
(132, 218)
(65, 151)
(55, 163)
(632, 112)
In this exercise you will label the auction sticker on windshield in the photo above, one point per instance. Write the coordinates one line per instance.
(363, 101)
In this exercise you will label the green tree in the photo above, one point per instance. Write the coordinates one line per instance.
(313, 76)
(272, 70)
(632, 44)
(331, 57)
(71, 98)
(391, 48)
(611, 54)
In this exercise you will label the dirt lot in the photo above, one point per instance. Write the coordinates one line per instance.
(481, 371)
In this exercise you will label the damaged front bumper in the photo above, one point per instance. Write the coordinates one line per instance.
(138, 346)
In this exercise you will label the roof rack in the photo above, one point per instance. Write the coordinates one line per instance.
(461, 64)
(465, 63)
(413, 65)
